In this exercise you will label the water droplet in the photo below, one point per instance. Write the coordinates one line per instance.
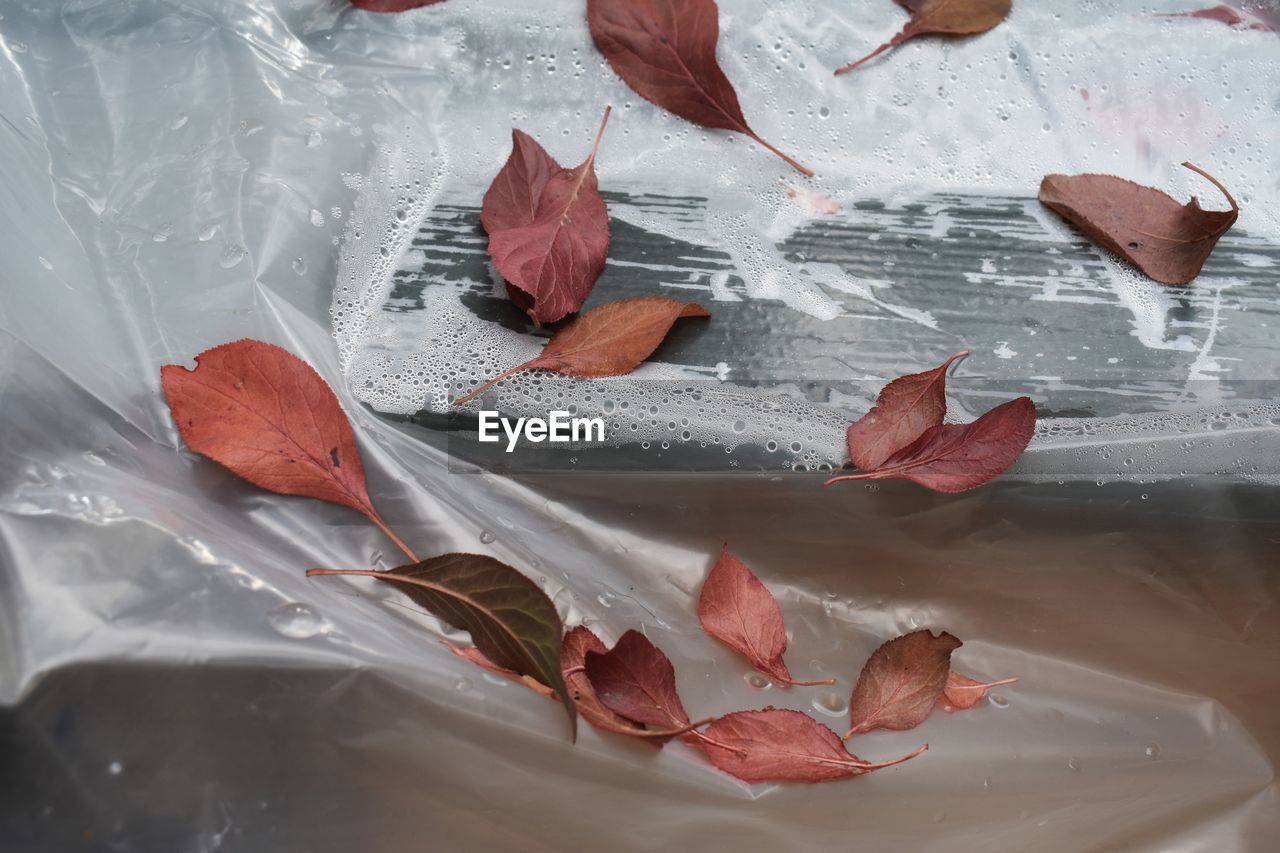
(206, 234)
(45, 262)
(831, 704)
(486, 536)
(998, 701)
(824, 112)
(1073, 764)
(463, 685)
(232, 254)
(317, 218)
(1152, 751)
(115, 768)
(178, 121)
(756, 681)
(296, 621)
(606, 599)
(314, 139)
(299, 266)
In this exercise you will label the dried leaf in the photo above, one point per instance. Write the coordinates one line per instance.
(959, 457)
(941, 17)
(392, 5)
(1224, 14)
(510, 619)
(609, 340)
(665, 50)
(782, 746)
(637, 681)
(901, 682)
(905, 409)
(1168, 241)
(737, 609)
(556, 256)
(478, 658)
(267, 416)
(961, 692)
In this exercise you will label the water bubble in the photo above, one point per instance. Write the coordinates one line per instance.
(314, 139)
(232, 254)
(1152, 751)
(300, 266)
(115, 768)
(463, 685)
(606, 599)
(1073, 764)
(178, 121)
(487, 536)
(756, 681)
(206, 233)
(296, 621)
(45, 262)
(831, 704)
(998, 701)
(317, 218)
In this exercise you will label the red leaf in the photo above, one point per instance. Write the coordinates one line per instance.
(557, 255)
(738, 610)
(478, 658)
(961, 692)
(959, 457)
(1224, 14)
(901, 682)
(782, 746)
(609, 340)
(814, 201)
(636, 680)
(268, 417)
(905, 409)
(665, 50)
(391, 5)
(1168, 241)
(941, 17)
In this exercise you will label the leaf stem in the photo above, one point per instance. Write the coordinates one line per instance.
(845, 69)
(804, 170)
(595, 146)
(877, 765)
(866, 475)
(382, 525)
(1211, 179)
(494, 381)
(987, 686)
(817, 683)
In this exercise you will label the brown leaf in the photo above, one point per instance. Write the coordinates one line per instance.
(510, 619)
(1168, 241)
(609, 340)
(478, 658)
(268, 417)
(636, 680)
(392, 5)
(958, 457)
(738, 610)
(556, 256)
(782, 746)
(962, 693)
(905, 409)
(665, 50)
(941, 17)
(901, 682)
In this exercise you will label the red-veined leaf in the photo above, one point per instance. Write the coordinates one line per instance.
(962, 692)
(905, 409)
(636, 680)
(392, 5)
(901, 682)
(477, 657)
(941, 17)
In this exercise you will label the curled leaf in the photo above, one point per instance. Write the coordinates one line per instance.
(609, 340)
(636, 680)
(961, 692)
(555, 255)
(477, 657)
(1225, 14)
(959, 457)
(782, 746)
(901, 682)
(906, 408)
(665, 50)
(941, 17)
(392, 5)
(1168, 241)
(511, 620)
(267, 416)
(737, 609)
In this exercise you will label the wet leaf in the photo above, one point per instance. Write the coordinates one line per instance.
(737, 609)
(959, 457)
(510, 619)
(609, 340)
(961, 692)
(478, 658)
(901, 682)
(556, 255)
(636, 680)
(906, 408)
(941, 17)
(1168, 241)
(782, 746)
(267, 416)
(813, 201)
(665, 50)
(392, 5)
(1224, 14)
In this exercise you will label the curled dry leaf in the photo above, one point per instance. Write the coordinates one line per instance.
(609, 340)
(962, 692)
(901, 682)
(548, 227)
(665, 50)
(737, 609)
(782, 746)
(636, 680)
(267, 416)
(510, 619)
(1168, 241)
(478, 658)
(392, 5)
(959, 457)
(906, 408)
(941, 17)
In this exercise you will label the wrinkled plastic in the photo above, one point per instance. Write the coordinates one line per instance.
(178, 176)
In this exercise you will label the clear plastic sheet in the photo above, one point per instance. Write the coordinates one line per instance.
(176, 176)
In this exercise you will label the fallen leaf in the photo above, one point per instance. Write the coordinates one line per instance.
(812, 200)
(609, 340)
(941, 17)
(782, 746)
(905, 409)
(962, 692)
(1223, 14)
(510, 619)
(959, 457)
(636, 680)
(556, 256)
(737, 609)
(267, 416)
(901, 682)
(391, 5)
(573, 653)
(1168, 241)
(665, 50)
(478, 658)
